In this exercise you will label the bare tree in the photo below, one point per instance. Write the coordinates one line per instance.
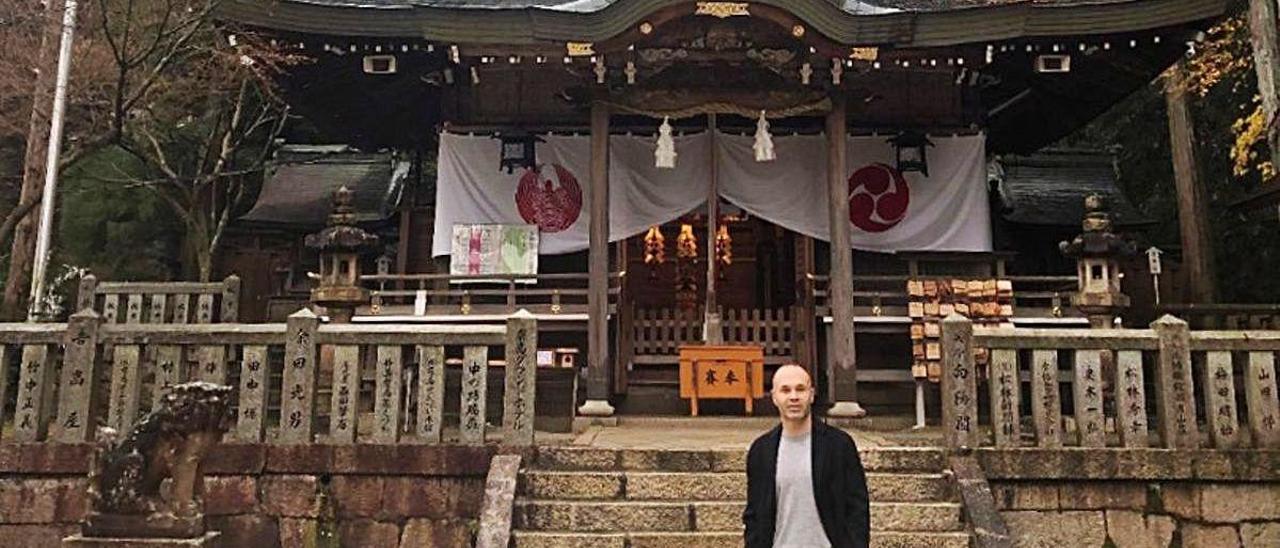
(155, 78)
(27, 41)
(206, 137)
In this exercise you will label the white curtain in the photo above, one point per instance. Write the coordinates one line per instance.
(471, 190)
(947, 211)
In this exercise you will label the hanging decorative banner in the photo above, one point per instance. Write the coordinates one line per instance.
(764, 141)
(889, 211)
(665, 155)
(480, 250)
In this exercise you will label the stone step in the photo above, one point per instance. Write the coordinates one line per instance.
(598, 485)
(650, 516)
(540, 539)
(887, 459)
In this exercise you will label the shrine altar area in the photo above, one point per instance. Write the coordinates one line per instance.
(721, 372)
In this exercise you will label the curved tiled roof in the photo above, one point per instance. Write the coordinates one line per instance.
(1049, 187)
(903, 23)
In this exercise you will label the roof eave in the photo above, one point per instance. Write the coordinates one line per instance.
(528, 26)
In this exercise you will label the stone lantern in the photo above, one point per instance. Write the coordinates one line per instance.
(1097, 252)
(341, 244)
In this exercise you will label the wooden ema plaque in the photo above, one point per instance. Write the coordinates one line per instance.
(732, 372)
(986, 302)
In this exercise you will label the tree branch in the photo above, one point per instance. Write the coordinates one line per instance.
(15, 216)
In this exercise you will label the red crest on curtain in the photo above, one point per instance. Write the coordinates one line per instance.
(553, 206)
(878, 197)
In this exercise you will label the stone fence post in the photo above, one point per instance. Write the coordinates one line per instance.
(1175, 391)
(959, 387)
(520, 378)
(299, 378)
(76, 398)
(85, 295)
(230, 300)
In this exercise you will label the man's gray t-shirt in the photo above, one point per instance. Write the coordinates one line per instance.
(798, 525)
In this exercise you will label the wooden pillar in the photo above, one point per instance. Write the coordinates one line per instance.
(625, 342)
(1266, 54)
(711, 332)
(597, 403)
(805, 332)
(842, 371)
(1193, 215)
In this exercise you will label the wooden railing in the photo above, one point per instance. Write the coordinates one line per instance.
(886, 295)
(658, 333)
(161, 302)
(281, 370)
(1226, 316)
(1113, 375)
(433, 294)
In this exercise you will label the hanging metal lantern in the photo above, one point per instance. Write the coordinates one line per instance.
(724, 247)
(518, 150)
(655, 252)
(686, 243)
(912, 155)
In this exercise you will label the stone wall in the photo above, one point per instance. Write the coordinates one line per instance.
(1140, 514)
(1138, 498)
(268, 496)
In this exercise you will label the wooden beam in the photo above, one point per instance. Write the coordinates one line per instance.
(597, 403)
(804, 341)
(625, 310)
(712, 333)
(1193, 219)
(1266, 53)
(842, 370)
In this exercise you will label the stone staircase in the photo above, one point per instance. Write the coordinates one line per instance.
(636, 498)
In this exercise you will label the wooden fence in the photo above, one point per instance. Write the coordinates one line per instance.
(435, 294)
(74, 376)
(1164, 386)
(161, 302)
(1226, 316)
(658, 333)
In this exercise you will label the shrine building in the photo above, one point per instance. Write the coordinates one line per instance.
(816, 181)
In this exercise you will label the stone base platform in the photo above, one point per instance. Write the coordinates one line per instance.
(78, 541)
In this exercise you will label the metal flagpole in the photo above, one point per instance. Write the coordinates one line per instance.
(36, 306)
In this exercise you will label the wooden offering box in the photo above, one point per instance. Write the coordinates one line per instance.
(734, 372)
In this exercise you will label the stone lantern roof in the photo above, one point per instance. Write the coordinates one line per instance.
(341, 232)
(1098, 239)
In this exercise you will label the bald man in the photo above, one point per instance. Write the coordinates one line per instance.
(805, 484)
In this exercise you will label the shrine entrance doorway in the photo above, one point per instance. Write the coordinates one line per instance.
(758, 283)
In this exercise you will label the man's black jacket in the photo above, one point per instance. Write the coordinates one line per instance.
(839, 488)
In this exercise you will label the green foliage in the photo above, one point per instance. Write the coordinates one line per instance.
(117, 230)
(1246, 246)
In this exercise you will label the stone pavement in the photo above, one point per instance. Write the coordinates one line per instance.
(716, 433)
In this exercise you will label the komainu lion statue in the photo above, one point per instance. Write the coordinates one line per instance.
(169, 443)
